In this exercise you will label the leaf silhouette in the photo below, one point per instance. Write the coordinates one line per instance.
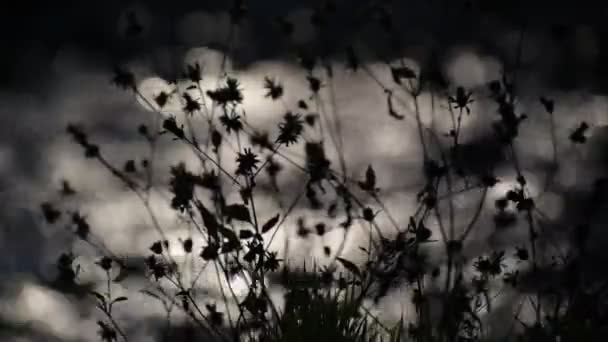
(237, 212)
(51, 215)
(216, 140)
(157, 247)
(270, 223)
(548, 104)
(578, 136)
(182, 293)
(170, 125)
(391, 109)
(66, 189)
(522, 253)
(161, 99)
(210, 252)
(228, 234)
(350, 266)
(369, 184)
(187, 245)
(245, 234)
(423, 234)
(208, 220)
(101, 298)
(310, 119)
(314, 84)
(120, 299)
(130, 166)
(232, 240)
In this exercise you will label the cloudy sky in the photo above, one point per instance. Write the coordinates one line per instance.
(57, 64)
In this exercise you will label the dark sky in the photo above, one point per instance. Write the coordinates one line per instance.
(41, 28)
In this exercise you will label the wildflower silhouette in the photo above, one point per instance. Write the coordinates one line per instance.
(462, 100)
(274, 90)
(290, 129)
(314, 84)
(429, 251)
(194, 73)
(170, 125)
(182, 186)
(191, 105)
(230, 93)
(232, 122)
(247, 163)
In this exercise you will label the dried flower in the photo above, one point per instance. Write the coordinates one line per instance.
(247, 162)
(274, 89)
(290, 129)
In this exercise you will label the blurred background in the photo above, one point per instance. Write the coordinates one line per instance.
(56, 67)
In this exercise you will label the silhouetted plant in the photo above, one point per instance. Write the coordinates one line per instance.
(449, 296)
